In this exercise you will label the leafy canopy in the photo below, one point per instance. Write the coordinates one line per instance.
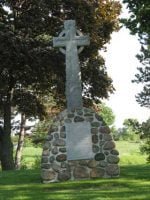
(139, 23)
(27, 55)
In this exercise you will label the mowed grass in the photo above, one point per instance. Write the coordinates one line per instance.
(129, 153)
(133, 183)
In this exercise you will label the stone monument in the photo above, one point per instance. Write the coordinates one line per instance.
(79, 145)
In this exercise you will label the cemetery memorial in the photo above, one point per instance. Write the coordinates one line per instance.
(79, 144)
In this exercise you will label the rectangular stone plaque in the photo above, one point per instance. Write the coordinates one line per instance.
(79, 141)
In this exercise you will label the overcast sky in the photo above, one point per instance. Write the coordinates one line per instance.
(121, 65)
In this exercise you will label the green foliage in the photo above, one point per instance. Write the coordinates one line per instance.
(37, 163)
(107, 114)
(27, 56)
(145, 148)
(146, 128)
(31, 67)
(40, 131)
(28, 142)
(132, 125)
(128, 135)
(139, 23)
(31, 157)
(131, 130)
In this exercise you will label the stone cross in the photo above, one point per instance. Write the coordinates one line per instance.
(71, 39)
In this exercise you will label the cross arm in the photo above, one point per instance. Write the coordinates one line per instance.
(59, 42)
(82, 40)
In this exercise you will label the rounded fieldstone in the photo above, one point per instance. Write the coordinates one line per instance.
(106, 153)
(107, 137)
(44, 159)
(55, 150)
(65, 165)
(99, 156)
(53, 128)
(64, 175)
(78, 119)
(115, 152)
(59, 142)
(98, 117)
(62, 150)
(47, 146)
(61, 157)
(56, 167)
(97, 172)
(102, 163)
(94, 139)
(62, 129)
(95, 148)
(70, 115)
(79, 112)
(87, 110)
(46, 166)
(51, 159)
(101, 143)
(73, 163)
(104, 129)
(48, 174)
(100, 136)
(81, 172)
(68, 120)
(92, 163)
(95, 124)
(45, 152)
(56, 135)
(62, 134)
(49, 137)
(109, 145)
(89, 119)
(113, 159)
(94, 130)
(88, 115)
(113, 170)
(83, 162)
(73, 110)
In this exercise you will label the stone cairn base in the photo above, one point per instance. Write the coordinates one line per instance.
(55, 167)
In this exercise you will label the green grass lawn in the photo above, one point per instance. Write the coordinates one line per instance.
(130, 153)
(133, 183)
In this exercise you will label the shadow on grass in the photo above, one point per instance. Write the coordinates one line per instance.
(26, 184)
(30, 176)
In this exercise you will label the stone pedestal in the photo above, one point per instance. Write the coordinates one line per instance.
(56, 167)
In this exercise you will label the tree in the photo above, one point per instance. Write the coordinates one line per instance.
(146, 136)
(106, 113)
(139, 23)
(28, 61)
(131, 127)
(28, 106)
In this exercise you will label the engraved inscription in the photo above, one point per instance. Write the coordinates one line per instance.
(79, 142)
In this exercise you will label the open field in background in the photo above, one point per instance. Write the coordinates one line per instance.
(129, 154)
(133, 183)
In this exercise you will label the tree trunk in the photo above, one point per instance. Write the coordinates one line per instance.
(6, 156)
(20, 142)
